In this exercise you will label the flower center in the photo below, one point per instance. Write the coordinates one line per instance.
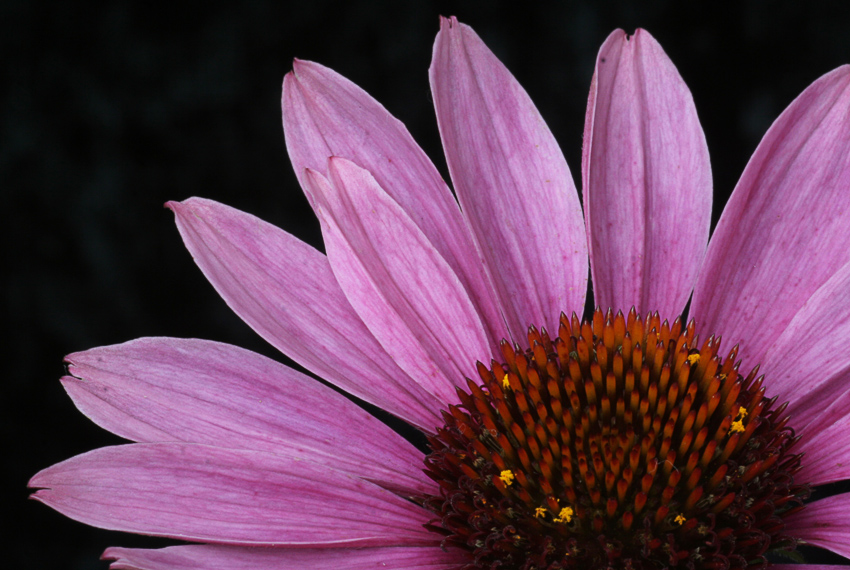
(617, 444)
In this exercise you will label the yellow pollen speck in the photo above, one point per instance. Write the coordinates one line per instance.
(540, 512)
(738, 424)
(680, 519)
(566, 515)
(507, 477)
(506, 383)
(693, 359)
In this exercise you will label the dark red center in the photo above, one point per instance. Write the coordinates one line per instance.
(617, 444)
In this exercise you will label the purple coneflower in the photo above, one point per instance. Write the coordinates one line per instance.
(628, 441)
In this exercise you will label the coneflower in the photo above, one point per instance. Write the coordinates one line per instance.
(641, 438)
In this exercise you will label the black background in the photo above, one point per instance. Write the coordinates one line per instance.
(111, 108)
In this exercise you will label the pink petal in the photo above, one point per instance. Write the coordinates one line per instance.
(195, 391)
(212, 494)
(512, 181)
(783, 233)
(325, 115)
(824, 523)
(285, 290)
(825, 442)
(809, 364)
(646, 179)
(397, 282)
(208, 557)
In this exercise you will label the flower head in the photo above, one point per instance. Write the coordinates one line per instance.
(630, 440)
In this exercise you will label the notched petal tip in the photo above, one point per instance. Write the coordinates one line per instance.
(448, 22)
(180, 207)
(40, 494)
(305, 70)
(302, 66)
(639, 34)
(70, 380)
(190, 210)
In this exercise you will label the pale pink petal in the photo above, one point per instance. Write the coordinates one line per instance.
(824, 523)
(208, 557)
(325, 114)
(195, 391)
(825, 442)
(784, 232)
(285, 290)
(809, 364)
(512, 182)
(211, 494)
(646, 179)
(397, 282)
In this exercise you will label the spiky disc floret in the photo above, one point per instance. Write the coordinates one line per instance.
(617, 444)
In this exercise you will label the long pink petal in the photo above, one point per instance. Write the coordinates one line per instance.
(825, 442)
(325, 114)
(824, 523)
(512, 181)
(211, 494)
(783, 233)
(809, 364)
(208, 557)
(285, 290)
(397, 282)
(646, 179)
(196, 391)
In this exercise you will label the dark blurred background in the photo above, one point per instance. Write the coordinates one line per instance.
(111, 108)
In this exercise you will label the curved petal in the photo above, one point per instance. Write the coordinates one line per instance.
(824, 523)
(397, 282)
(285, 290)
(646, 179)
(809, 365)
(783, 233)
(209, 557)
(325, 115)
(196, 391)
(825, 442)
(512, 181)
(212, 494)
